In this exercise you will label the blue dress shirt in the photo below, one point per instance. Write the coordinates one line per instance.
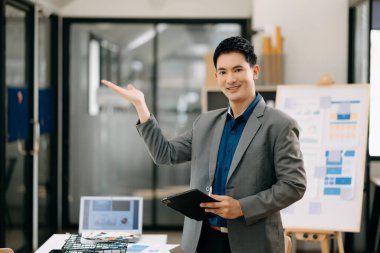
(232, 132)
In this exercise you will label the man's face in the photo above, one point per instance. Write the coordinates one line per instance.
(235, 77)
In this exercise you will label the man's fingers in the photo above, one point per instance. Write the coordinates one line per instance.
(219, 197)
(108, 83)
(117, 88)
(114, 87)
(210, 205)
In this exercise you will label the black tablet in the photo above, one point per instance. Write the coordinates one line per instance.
(188, 203)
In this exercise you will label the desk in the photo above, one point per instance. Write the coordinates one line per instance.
(56, 241)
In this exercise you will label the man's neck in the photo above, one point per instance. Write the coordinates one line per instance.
(238, 107)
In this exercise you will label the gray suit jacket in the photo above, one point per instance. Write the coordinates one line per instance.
(266, 173)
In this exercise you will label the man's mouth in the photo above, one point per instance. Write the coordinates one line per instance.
(233, 88)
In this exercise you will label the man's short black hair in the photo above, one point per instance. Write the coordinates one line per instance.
(236, 44)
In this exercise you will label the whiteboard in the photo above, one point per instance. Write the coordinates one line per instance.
(333, 124)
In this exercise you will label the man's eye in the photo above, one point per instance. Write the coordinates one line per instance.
(238, 70)
(222, 73)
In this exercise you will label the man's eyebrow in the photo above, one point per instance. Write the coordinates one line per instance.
(234, 67)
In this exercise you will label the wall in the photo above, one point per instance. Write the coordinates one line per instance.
(159, 8)
(315, 36)
(315, 32)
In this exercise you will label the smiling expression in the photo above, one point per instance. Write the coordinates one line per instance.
(236, 78)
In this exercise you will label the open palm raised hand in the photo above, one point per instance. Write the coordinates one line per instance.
(133, 95)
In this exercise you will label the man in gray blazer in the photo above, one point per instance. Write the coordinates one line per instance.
(247, 155)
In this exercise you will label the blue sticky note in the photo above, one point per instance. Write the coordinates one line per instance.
(349, 153)
(343, 180)
(334, 170)
(331, 191)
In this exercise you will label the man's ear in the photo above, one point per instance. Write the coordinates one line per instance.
(256, 71)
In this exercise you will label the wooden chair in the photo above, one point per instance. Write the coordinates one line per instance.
(288, 244)
(6, 250)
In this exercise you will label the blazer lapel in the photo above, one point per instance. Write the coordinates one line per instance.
(214, 148)
(249, 132)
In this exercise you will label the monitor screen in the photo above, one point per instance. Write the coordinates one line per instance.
(103, 214)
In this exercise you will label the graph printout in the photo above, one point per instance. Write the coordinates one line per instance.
(333, 123)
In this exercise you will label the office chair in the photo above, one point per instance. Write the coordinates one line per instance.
(288, 244)
(6, 250)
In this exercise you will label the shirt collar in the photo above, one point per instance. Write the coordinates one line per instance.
(247, 112)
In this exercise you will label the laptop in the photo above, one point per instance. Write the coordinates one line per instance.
(111, 217)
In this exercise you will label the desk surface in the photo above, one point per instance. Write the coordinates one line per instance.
(56, 241)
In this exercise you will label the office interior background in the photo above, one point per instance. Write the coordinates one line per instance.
(62, 142)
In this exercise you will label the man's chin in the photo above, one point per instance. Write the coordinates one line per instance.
(233, 97)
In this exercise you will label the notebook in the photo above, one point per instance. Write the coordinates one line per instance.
(111, 217)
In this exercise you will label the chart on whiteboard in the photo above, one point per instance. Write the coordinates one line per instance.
(331, 138)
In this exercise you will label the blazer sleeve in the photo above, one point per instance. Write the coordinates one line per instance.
(290, 174)
(163, 151)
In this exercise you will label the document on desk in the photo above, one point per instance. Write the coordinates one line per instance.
(150, 244)
(156, 248)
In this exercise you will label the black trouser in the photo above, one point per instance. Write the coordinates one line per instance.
(212, 240)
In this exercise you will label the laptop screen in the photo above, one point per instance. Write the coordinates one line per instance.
(111, 214)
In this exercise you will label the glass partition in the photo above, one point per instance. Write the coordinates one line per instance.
(47, 181)
(181, 76)
(107, 156)
(16, 171)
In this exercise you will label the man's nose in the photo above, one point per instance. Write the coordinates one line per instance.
(231, 78)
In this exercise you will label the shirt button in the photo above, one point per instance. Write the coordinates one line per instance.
(208, 188)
